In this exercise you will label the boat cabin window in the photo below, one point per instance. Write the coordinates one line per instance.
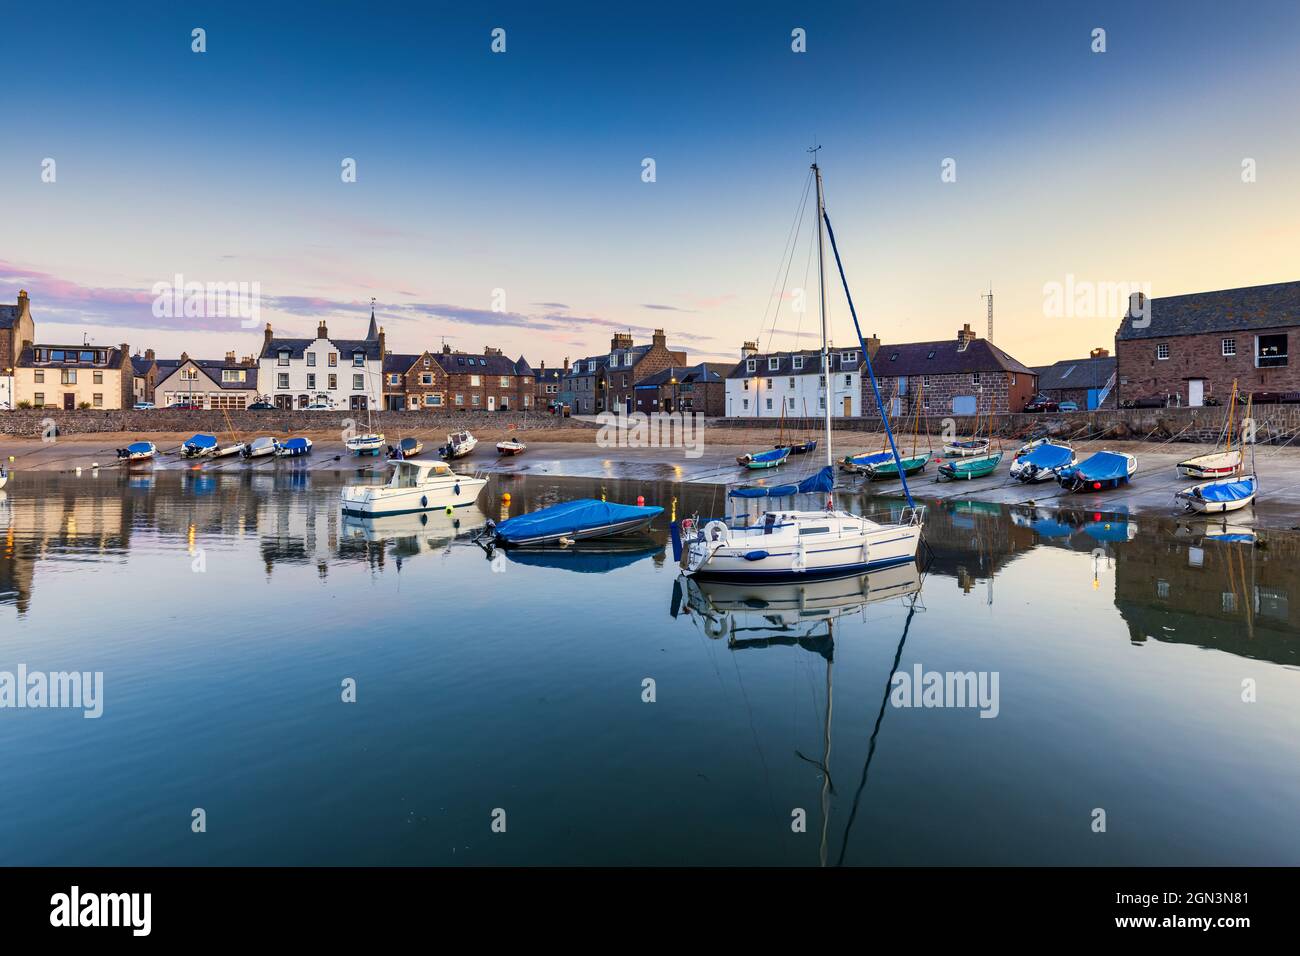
(823, 530)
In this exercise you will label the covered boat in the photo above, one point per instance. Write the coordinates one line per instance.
(415, 485)
(293, 448)
(574, 521)
(1042, 462)
(856, 463)
(199, 446)
(1100, 472)
(803, 447)
(1217, 465)
(261, 447)
(459, 444)
(764, 459)
(406, 448)
(958, 469)
(371, 445)
(1225, 494)
(511, 446)
(823, 481)
(137, 451)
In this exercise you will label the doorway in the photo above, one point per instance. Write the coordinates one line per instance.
(69, 401)
(492, 403)
(1196, 392)
(848, 406)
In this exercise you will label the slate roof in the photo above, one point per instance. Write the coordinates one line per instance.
(116, 357)
(464, 363)
(1076, 373)
(812, 360)
(8, 316)
(549, 374)
(579, 368)
(296, 347)
(400, 364)
(212, 368)
(141, 365)
(945, 358)
(1227, 310)
(704, 372)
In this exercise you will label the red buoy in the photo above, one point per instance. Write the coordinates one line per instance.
(1096, 486)
(640, 500)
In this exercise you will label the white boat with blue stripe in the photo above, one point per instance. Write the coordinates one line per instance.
(415, 485)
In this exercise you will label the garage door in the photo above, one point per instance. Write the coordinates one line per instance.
(963, 404)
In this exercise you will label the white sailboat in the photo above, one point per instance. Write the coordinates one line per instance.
(793, 544)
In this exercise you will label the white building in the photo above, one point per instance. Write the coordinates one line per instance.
(346, 373)
(208, 383)
(792, 383)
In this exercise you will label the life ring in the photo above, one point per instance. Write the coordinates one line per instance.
(715, 627)
(715, 532)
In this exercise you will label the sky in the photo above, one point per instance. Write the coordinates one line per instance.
(501, 198)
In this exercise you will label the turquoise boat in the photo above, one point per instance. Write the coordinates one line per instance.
(884, 470)
(764, 459)
(967, 468)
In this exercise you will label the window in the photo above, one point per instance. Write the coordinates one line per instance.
(474, 381)
(744, 382)
(1229, 346)
(790, 403)
(334, 382)
(751, 365)
(358, 383)
(473, 399)
(975, 378)
(233, 375)
(68, 376)
(798, 362)
(98, 399)
(769, 382)
(426, 378)
(311, 359)
(40, 377)
(504, 381)
(821, 403)
(283, 359)
(427, 360)
(282, 380)
(925, 381)
(848, 381)
(821, 381)
(394, 379)
(358, 359)
(98, 378)
(893, 356)
(769, 403)
(773, 363)
(311, 381)
(38, 399)
(1013, 378)
(848, 356)
(435, 400)
(1162, 589)
(1270, 351)
(1162, 351)
(460, 399)
(1229, 597)
(931, 355)
(57, 355)
(334, 360)
(745, 404)
(791, 383)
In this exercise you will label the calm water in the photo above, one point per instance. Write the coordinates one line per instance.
(225, 611)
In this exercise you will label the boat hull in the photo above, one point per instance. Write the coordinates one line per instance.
(966, 449)
(1201, 505)
(1221, 465)
(964, 469)
(380, 501)
(889, 469)
(366, 446)
(884, 547)
(1074, 479)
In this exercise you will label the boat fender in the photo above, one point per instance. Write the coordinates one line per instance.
(424, 501)
(675, 531)
(456, 488)
(755, 555)
(715, 532)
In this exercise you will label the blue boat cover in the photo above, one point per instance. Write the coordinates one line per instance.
(1104, 466)
(1048, 456)
(202, 441)
(294, 443)
(1226, 490)
(824, 480)
(139, 446)
(874, 458)
(1048, 528)
(776, 454)
(570, 516)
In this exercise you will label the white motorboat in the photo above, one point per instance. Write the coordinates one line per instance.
(782, 544)
(459, 444)
(137, 452)
(261, 447)
(415, 485)
(511, 446)
(1042, 460)
(366, 445)
(226, 451)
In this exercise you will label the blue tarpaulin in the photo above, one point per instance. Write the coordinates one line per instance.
(1103, 466)
(1048, 456)
(570, 517)
(201, 442)
(1234, 490)
(776, 454)
(824, 480)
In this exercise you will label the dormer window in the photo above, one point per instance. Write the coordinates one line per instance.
(797, 361)
(751, 365)
(893, 356)
(358, 359)
(848, 356)
(283, 358)
(774, 363)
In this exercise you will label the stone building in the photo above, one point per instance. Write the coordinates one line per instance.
(629, 364)
(17, 328)
(230, 383)
(1088, 382)
(486, 381)
(413, 382)
(1184, 349)
(700, 389)
(144, 370)
(549, 383)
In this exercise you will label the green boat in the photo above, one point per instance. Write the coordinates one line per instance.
(884, 470)
(978, 467)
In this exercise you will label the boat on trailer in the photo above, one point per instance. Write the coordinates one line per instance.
(1099, 472)
(261, 447)
(964, 469)
(794, 544)
(459, 444)
(1041, 461)
(199, 446)
(415, 485)
(137, 452)
(371, 445)
(293, 448)
(764, 459)
(577, 520)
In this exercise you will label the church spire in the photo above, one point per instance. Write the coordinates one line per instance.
(372, 334)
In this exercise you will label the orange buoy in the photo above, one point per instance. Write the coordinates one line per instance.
(506, 497)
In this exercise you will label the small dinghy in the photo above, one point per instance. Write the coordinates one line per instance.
(1218, 465)
(364, 446)
(414, 486)
(1042, 462)
(293, 448)
(884, 470)
(200, 446)
(261, 447)
(406, 448)
(1100, 472)
(1214, 497)
(968, 448)
(458, 445)
(856, 463)
(137, 451)
(574, 521)
(511, 446)
(764, 459)
(964, 469)
(226, 451)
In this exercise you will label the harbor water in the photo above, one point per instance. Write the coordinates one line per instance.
(281, 685)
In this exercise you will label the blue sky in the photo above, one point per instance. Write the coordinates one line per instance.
(522, 171)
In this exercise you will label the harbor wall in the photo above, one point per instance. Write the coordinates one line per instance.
(1273, 423)
(34, 423)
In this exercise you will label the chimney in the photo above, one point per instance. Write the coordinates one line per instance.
(489, 350)
(566, 365)
(126, 349)
(185, 357)
(266, 336)
(1099, 353)
(873, 345)
(250, 360)
(659, 339)
(621, 340)
(965, 336)
(149, 355)
(230, 358)
(383, 350)
(321, 331)
(446, 349)
(749, 350)
(24, 305)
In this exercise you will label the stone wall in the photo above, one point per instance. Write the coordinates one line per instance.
(30, 423)
(1273, 423)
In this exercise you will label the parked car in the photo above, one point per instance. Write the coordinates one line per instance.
(1147, 401)
(1041, 404)
(143, 406)
(1068, 407)
(320, 407)
(184, 407)
(261, 407)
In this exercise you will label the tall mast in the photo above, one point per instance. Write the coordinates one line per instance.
(821, 295)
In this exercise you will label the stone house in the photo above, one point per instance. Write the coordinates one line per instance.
(70, 376)
(698, 389)
(486, 381)
(629, 364)
(144, 371)
(549, 382)
(1088, 382)
(413, 382)
(1185, 349)
(17, 329)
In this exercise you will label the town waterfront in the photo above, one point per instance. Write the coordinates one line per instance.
(1144, 667)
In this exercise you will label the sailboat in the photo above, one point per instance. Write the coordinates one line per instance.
(878, 470)
(795, 544)
(1231, 493)
(371, 444)
(971, 463)
(970, 447)
(1217, 464)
